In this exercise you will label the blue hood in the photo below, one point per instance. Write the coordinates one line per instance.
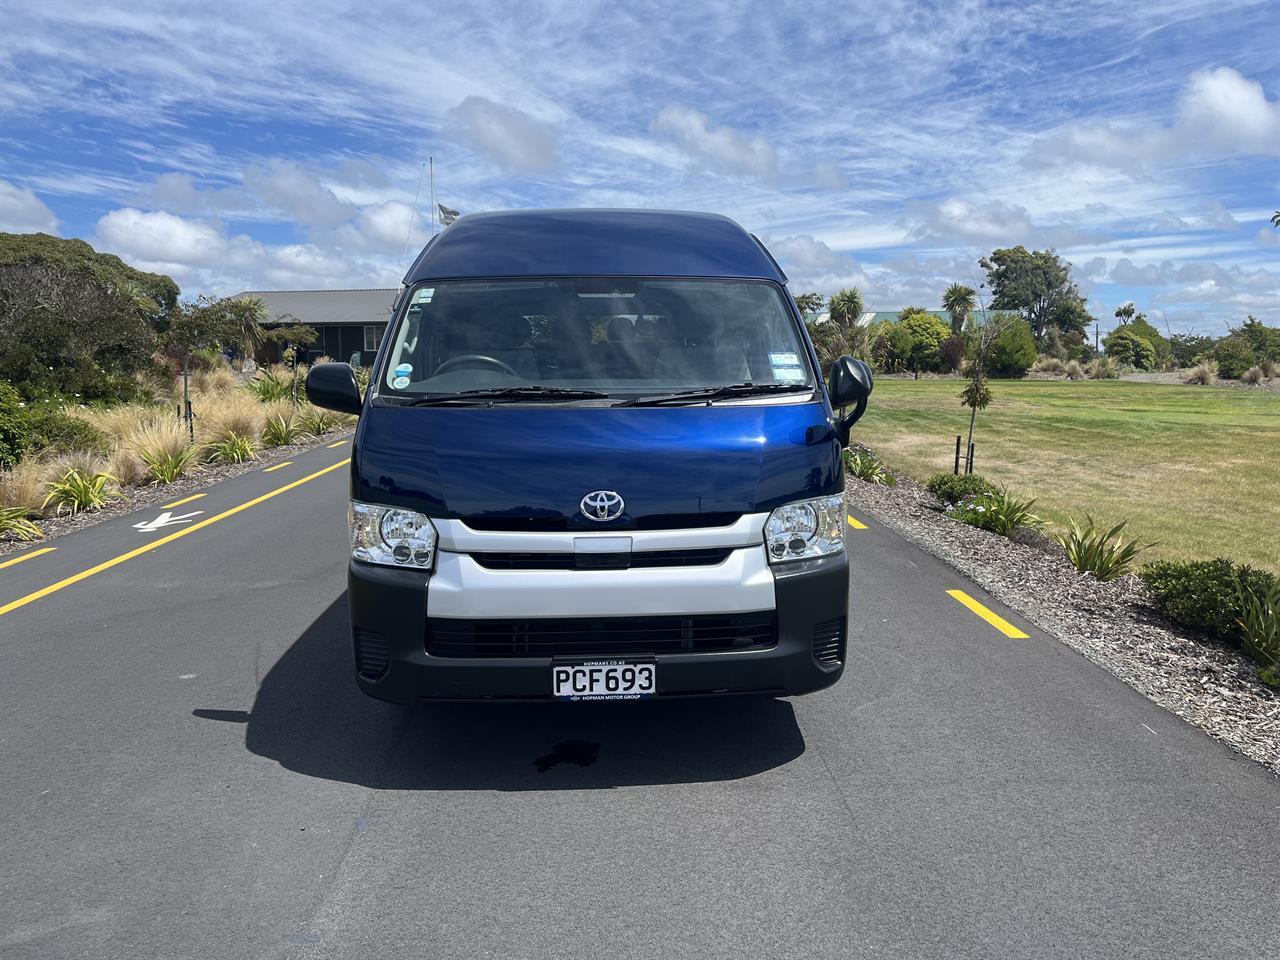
(536, 463)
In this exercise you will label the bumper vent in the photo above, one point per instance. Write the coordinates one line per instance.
(828, 642)
(570, 561)
(372, 654)
(601, 636)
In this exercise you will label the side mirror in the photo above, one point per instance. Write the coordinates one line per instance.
(333, 386)
(851, 384)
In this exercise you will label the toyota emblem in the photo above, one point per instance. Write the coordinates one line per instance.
(601, 505)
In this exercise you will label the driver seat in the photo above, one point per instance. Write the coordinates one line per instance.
(508, 339)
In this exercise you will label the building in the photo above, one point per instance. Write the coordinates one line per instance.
(350, 323)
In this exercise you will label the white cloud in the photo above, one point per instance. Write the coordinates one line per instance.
(811, 264)
(21, 211)
(989, 222)
(510, 137)
(296, 194)
(159, 240)
(722, 149)
(1220, 113)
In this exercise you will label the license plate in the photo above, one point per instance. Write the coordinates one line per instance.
(604, 680)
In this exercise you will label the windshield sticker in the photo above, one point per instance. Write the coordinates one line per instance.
(400, 382)
(784, 359)
(424, 295)
(404, 369)
(788, 374)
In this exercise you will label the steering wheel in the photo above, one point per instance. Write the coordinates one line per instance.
(473, 359)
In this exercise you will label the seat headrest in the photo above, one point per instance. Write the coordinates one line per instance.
(506, 333)
(620, 328)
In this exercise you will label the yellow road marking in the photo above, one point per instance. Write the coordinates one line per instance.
(176, 535)
(856, 524)
(27, 556)
(178, 503)
(338, 444)
(279, 466)
(999, 622)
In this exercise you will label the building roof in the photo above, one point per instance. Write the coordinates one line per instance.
(550, 243)
(321, 308)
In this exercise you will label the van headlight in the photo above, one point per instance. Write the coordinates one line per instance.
(391, 536)
(805, 529)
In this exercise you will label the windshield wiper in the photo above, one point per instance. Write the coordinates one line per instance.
(504, 395)
(716, 393)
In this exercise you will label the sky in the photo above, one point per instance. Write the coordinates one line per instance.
(883, 145)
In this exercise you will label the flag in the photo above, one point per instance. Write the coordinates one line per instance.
(447, 215)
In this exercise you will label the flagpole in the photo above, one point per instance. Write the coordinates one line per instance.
(431, 162)
(413, 215)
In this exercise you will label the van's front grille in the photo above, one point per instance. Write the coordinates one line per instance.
(662, 521)
(586, 561)
(601, 636)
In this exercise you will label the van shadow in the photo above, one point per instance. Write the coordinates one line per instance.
(310, 717)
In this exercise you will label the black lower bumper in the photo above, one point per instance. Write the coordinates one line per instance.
(388, 631)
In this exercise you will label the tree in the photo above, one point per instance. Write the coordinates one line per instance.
(75, 321)
(846, 308)
(1235, 355)
(809, 303)
(1124, 312)
(982, 335)
(1264, 340)
(292, 335)
(917, 337)
(1188, 348)
(204, 324)
(1275, 220)
(1126, 346)
(1012, 351)
(958, 301)
(1142, 328)
(1038, 285)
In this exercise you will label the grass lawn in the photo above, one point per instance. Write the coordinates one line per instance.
(1195, 468)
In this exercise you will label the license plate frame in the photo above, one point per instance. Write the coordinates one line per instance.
(573, 680)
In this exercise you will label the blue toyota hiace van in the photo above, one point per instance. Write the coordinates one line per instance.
(596, 459)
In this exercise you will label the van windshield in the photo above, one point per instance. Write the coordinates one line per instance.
(623, 337)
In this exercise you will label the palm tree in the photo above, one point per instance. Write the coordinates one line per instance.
(846, 308)
(958, 301)
(1124, 312)
(1275, 221)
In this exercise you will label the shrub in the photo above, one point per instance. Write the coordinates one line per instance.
(1104, 554)
(75, 492)
(1102, 368)
(231, 449)
(1234, 355)
(126, 466)
(1260, 625)
(1126, 347)
(15, 525)
(280, 429)
(1204, 373)
(863, 464)
(363, 373)
(1252, 376)
(165, 450)
(317, 421)
(1074, 370)
(166, 466)
(267, 386)
(215, 380)
(1013, 351)
(23, 487)
(1204, 595)
(1047, 364)
(997, 512)
(13, 436)
(1269, 367)
(230, 414)
(950, 488)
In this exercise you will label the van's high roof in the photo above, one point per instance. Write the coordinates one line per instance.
(585, 243)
